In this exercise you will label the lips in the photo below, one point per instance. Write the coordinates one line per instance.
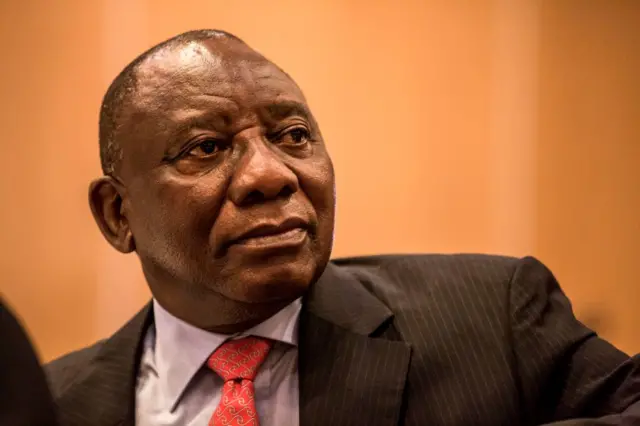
(290, 230)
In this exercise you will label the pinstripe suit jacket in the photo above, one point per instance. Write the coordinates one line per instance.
(410, 340)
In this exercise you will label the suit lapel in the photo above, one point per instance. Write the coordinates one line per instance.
(106, 394)
(348, 377)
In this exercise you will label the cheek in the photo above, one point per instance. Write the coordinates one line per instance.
(318, 183)
(180, 210)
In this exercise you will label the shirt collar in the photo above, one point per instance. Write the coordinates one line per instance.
(181, 349)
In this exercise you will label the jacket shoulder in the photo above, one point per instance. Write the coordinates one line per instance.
(418, 282)
(436, 268)
(65, 370)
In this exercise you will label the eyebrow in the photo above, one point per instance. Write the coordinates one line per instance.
(277, 111)
(285, 109)
(203, 119)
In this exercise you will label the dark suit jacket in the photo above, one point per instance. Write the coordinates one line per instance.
(410, 340)
(25, 399)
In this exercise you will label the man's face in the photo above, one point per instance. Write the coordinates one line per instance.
(229, 189)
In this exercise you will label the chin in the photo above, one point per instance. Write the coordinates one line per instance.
(275, 281)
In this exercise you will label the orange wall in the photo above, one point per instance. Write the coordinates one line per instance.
(588, 213)
(505, 126)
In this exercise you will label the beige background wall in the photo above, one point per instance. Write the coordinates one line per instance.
(502, 126)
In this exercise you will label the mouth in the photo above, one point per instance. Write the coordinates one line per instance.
(290, 233)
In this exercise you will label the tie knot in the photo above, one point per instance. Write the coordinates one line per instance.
(239, 359)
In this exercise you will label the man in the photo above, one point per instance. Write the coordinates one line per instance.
(25, 399)
(216, 175)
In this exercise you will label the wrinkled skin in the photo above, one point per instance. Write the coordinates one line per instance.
(217, 142)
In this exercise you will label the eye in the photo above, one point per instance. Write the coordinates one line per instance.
(206, 148)
(295, 136)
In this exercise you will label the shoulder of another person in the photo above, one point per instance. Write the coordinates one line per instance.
(65, 370)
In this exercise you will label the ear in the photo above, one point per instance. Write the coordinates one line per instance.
(106, 201)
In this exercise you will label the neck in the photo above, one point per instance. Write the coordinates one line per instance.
(217, 314)
(208, 309)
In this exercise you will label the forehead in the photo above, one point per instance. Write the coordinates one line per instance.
(226, 73)
(216, 85)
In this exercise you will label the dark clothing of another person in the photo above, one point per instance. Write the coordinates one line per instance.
(25, 399)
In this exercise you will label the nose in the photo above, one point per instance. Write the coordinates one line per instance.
(261, 176)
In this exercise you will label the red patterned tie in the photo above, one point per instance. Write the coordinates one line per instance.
(237, 362)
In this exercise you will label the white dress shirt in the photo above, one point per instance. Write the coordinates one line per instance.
(175, 387)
